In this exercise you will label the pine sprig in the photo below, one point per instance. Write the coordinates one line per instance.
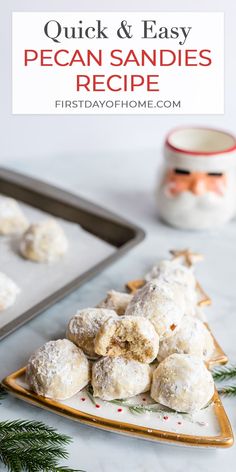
(89, 390)
(227, 391)
(140, 408)
(32, 446)
(224, 373)
(152, 407)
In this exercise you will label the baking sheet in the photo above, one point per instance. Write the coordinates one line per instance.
(37, 281)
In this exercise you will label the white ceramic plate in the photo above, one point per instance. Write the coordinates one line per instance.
(209, 427)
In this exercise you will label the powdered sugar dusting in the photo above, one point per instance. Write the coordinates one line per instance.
(8, 291)
(84, 325)
(117, 301)
(162, 303)
(12, 219)
(128, 336)
(58, 369)
(116, 377)
(183, 383)
(174, 272)
(192, 337)
(44, 241)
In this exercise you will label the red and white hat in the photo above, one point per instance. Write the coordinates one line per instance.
(200, 150)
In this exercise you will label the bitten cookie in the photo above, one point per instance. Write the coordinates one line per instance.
(161, 303)
(183, 383)
(84, 325)
(192, 338)
(58, 370)
(117, 301)
(44, 242)
(128, 336)
(12, 218)
(116, 377)
(8, 292)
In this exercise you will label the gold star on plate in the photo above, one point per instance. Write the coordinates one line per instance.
(188, 256)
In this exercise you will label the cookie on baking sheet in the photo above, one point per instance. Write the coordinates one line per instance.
(8, 291)
(183, 383)
(160, 302)
(44, 242)
(84, 325)
(128, 336)
(12, 218)
(58, 370)
(117, 377)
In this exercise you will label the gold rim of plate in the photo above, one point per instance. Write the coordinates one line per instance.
(219, 356)
(223, 440)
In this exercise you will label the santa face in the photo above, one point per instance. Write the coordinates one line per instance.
(197, 200)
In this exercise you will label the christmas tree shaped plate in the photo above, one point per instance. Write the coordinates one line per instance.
(138, 417)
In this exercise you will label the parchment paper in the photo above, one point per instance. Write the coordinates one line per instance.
(39, 280)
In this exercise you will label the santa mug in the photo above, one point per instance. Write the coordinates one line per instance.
(198, 186)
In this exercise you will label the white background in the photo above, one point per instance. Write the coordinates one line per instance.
(86, 137)
(113, 160)
(199, 89)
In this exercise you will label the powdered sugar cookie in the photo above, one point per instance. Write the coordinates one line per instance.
(183, 383)
(8, 292)
(116, 377)
(84, 325)
(58, 370)
(175, 272)
(128, 336)
(161, 303)
(117, 301)
(44, 242)
(12, 219)
(192, 337)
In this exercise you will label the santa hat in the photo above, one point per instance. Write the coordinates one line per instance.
(200, 150)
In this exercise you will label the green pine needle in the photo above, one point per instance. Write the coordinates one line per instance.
(89, 390)
(151, 407)
(224, 373)
(136, 409)
(228, 391)
(32, 446)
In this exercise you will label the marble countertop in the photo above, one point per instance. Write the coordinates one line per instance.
(112, 185)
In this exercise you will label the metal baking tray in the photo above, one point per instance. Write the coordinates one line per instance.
(103, 224)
